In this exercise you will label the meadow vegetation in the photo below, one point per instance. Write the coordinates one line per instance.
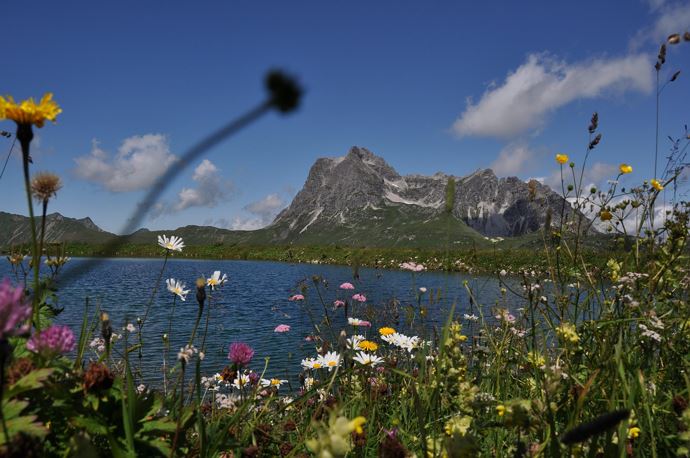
(594, 361)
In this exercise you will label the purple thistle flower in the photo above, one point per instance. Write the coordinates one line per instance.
(240, 353)
(14, 309)
(52, 341)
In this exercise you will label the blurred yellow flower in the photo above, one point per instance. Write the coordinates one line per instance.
(656, 185)
(28, 112)
(500, 410)
(368, 345)
(605, 215)
(625, 168)
(562, 158)
(386, 331)
(634, 432)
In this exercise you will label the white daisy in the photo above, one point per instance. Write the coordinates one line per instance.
(216, 279)
(353, 342)
(177, 287)
(272, 382)
(312, 363)
(368, 359)
(330, 360)
(241, 381)
(173, 243)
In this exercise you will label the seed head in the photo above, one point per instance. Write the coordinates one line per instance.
(45, 185)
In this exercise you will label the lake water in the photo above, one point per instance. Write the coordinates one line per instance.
(254, 301)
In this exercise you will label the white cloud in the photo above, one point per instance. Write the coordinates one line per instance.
(239, 223)
(541, 85)
(263, 212)
(513, 160)
(673, 17)
(139, 162)
(210, 190)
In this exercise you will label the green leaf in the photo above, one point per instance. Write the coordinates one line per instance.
(31, 381)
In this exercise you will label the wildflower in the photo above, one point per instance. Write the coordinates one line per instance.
(500, 410)
(241, 381)
(28, 112)
(359, 298)
(386, 331)
(367, 359)
(353, 342)
(13, 310)
(57, 261)
(646, 332)
(347, 285)
(625, 168)
(634, 432)
(52, 341)
(568, 333)
(172, 244)
(44, 186)
(358, 322)
(98, 378)
(656, 185)
(335, 439)
(338, 303)
(503, 273)
(312, 363)
(186, 353)
(272, 382)
(330, 360)
(536, 359)
(216, 280)
(141, 388)
(130, 327)
(176, 287)
(412, 266)
(368, 345)
(605, 215)
(402, 341)
(240, 353)
(98, 344)
(296, 297)
(282, 328)
(472, 317)
(562, 158)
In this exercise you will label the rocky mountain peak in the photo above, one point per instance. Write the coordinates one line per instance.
(338, 191)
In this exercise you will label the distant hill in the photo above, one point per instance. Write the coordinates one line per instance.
(15, 229)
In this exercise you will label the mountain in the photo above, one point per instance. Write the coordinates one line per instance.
(15, 229)
(360, 195)
(359, 200)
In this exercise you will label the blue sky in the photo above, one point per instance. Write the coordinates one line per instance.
(430, 86)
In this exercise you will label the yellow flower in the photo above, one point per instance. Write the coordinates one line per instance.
(656, 185)
(605, 215)
(368, 345)
(568, 332)
(500, 410)
(625, 168)
(562, 158)
(357, 423)
(386, 331)
(28, 112)
(634, 432)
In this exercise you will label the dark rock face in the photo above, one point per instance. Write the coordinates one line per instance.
(337, 190)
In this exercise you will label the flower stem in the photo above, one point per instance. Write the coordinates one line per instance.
(25, 135)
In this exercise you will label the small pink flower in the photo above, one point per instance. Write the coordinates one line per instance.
(14, 310)
(347, 285)
(359, 297)
(282, 328)
(52, 341)
(296, 297)
(338, 303)
(240, 353)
